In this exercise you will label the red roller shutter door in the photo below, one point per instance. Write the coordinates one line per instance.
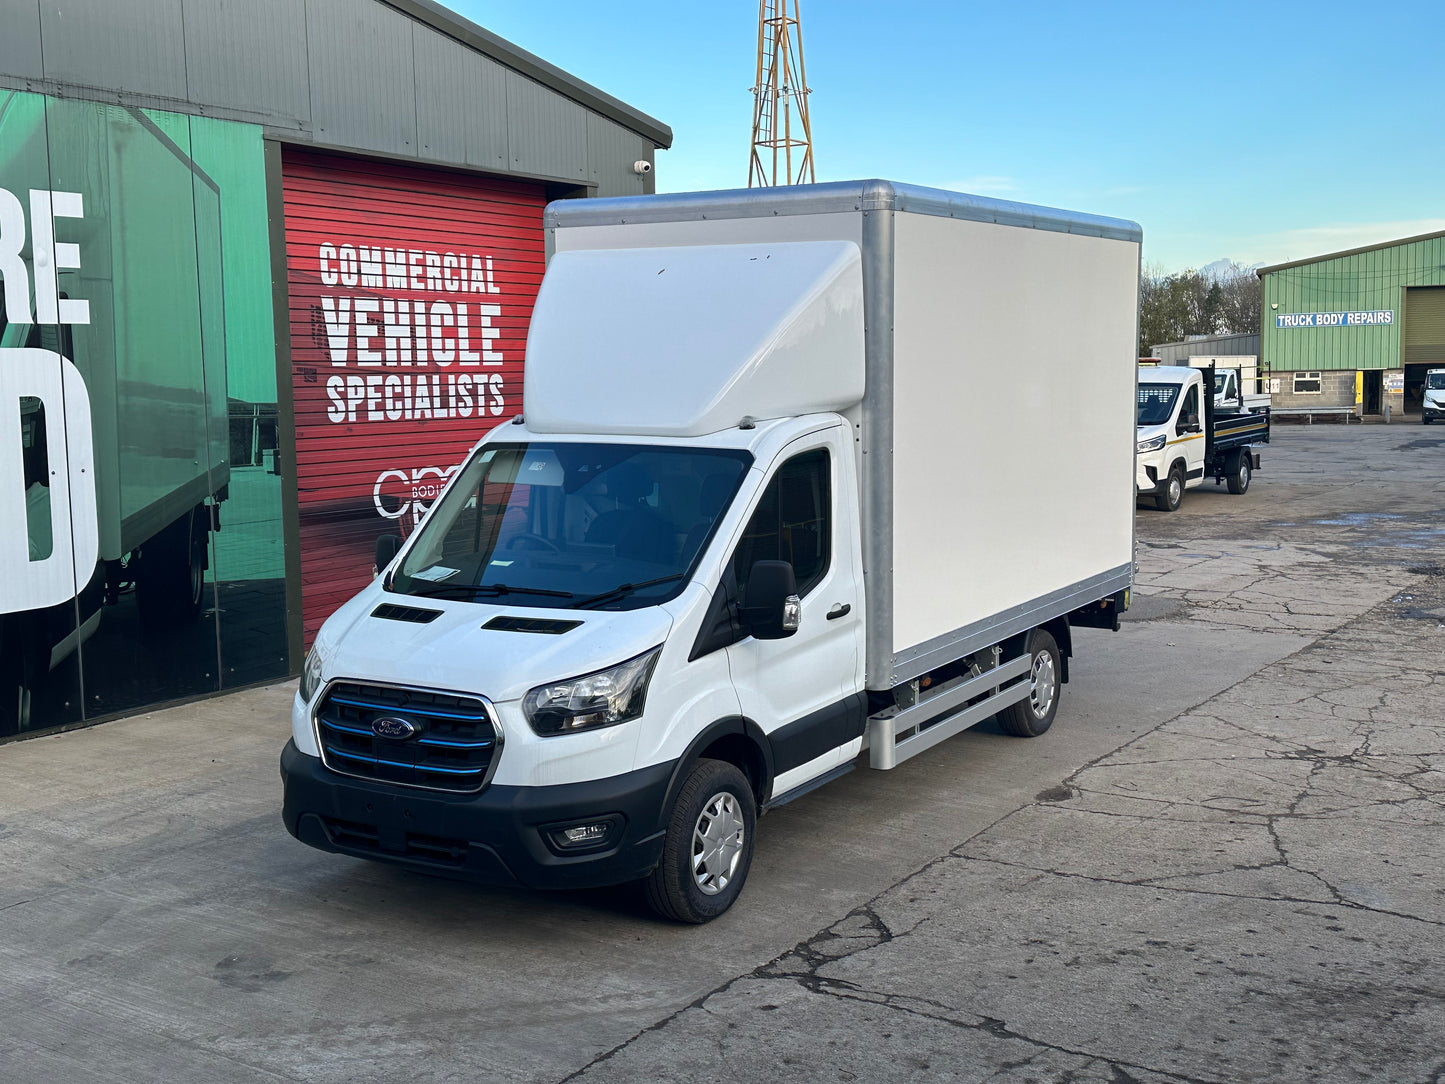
(410, 290)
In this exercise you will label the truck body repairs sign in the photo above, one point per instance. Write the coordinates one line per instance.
(1371, 318)
(410, 294)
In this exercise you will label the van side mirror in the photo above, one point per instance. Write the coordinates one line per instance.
(773, 609)
(387, 547)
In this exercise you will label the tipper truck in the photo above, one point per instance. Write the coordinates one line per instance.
(1184, 436)
(804, 474)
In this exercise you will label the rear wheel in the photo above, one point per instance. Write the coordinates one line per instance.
(1237, 470)
(709, 845)
(1035, 713)
(171, 583)
(1171, 494)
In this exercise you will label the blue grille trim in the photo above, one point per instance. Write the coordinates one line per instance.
(364, 732)
(403, 764)
(410, 709)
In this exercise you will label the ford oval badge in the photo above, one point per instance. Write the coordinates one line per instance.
(389, 726)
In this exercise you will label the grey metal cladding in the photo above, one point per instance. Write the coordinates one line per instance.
(611, 152)
(137, 47)
(548, 133)
(838, 196)
(461, 102)
(20, 40)
(249, 57)
(363, 82)
(487, 44)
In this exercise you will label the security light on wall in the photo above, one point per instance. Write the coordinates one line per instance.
(1274, 304)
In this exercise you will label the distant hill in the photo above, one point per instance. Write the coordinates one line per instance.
(1221, 267)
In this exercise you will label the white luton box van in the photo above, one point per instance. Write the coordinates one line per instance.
(803, 472)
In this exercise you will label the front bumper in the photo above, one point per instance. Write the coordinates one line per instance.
(1433, 412)
(1146, 477)
(495, 836)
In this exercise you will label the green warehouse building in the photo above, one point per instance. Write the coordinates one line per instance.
(1356, 329)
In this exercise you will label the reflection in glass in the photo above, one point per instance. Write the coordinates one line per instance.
(36, 460)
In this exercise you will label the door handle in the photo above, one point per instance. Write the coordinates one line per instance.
(840, 609)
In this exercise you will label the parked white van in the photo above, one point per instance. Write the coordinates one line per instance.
(770, 506)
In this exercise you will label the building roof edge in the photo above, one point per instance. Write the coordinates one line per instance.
(499, 49)
(1262, 271)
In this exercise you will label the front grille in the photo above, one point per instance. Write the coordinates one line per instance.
(454, 746)
(365, 837)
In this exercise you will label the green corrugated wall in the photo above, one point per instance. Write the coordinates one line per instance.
(1360, 283)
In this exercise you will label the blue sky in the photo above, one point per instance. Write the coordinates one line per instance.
(1258, 132)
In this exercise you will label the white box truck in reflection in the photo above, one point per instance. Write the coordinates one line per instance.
(112, 438)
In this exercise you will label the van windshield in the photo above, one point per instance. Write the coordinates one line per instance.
(1156, 403)
(604, 526)
(1435, 381)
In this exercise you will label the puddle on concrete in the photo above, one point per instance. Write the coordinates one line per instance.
(1356, 519)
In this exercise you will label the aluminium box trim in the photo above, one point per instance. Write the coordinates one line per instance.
(906, 665)
(834, 197)
(875, 467)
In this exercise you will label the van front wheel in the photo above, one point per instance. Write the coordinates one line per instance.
(1171, 493)
(709, 845)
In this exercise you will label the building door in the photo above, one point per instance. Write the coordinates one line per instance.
(410, 291)
(1374, 390)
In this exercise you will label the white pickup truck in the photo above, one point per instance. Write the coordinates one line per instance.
(758, 519)
(1183, 437)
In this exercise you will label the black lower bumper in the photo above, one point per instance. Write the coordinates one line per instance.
(1428, 415)
(501, 835)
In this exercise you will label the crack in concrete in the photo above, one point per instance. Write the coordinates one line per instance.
(1332, 679)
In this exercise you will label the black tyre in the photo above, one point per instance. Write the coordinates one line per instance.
(1035, 713)
(1238, 470)
(171, 583)
(709, 845)
(1171, 496)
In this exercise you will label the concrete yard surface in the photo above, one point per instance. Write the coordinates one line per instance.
(1225, 862)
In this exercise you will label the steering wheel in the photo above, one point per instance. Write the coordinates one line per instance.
(541, 543)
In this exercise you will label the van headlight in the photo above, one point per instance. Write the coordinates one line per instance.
(604, 698)
(310, 675)
(1153, 444)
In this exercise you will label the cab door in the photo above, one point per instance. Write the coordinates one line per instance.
(1189, 435)
(805, 691)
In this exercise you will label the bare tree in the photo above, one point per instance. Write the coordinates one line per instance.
(1241, 301)
(1173, 307)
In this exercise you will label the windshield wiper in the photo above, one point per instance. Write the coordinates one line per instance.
(442, 590)
(622, 590)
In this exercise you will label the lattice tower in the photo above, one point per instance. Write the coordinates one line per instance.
(782, 151)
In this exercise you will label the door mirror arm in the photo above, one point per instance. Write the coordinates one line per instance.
(387, 547)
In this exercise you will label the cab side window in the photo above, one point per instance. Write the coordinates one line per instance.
(1190, 409)
(793, 522)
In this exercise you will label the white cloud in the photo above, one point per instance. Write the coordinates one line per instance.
(1311, 241)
